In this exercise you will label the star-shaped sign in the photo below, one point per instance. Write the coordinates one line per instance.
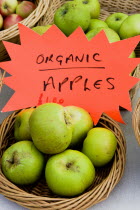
(94, 75)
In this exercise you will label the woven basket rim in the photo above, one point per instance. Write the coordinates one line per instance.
(116, 172)
(13, 31)
(136, 121)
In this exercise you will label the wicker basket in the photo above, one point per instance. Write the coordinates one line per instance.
(11, 34)
(136, 121)
(38, 196)
(135, 88)
(107, 7)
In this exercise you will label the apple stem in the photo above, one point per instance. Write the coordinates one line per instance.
(5, 6)
(85, 2)
(14, 159)
(68, 165)
(64, 12)
(10, 161)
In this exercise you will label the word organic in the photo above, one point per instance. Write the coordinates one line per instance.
(61, 59)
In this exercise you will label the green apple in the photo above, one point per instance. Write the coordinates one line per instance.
(51, 128)
(82, 123)
(69, 173)
(21, 126)
(111, 34)
(92, 5)
(96, 23)
(115, 20)
(100, 146)
(41, 29)
(22, 163)
(130, 27)
(71, 15)
(133, 55)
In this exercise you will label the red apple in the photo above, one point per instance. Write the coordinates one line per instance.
(11, 20)
(1, 21)
(25, 8)
(8, 7)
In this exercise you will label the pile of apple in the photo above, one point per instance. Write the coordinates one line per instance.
(67, 136)
(86, 13)
(14, 11)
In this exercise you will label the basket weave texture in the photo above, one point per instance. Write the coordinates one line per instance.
(136, 121)
(38, 196)
(11, 34)
(137, 86)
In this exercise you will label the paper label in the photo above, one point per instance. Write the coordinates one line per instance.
(94, 75)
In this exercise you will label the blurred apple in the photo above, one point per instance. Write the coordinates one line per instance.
(93, 7)
(1, 21)
(21, 126)
(96, 23)
(25, 8)
(41, 29)
(51, 128)
(22, 163)
(111, 34)
(130, 27)
(115, 20)
(100, 146)
(71, 15)
(133, 55)
(82, 123)
(69, 173)
(7, 7)
(11, 20)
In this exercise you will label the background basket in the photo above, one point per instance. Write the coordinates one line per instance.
(135, 88)
(38, 196)
(107, 7)
(136, 121)
(11, 34)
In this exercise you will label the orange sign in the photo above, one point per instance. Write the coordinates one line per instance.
(94, 75)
